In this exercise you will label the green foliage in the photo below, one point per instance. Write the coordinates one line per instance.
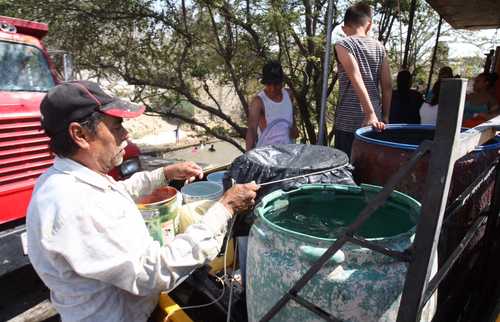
(185, 50)
(467, 67)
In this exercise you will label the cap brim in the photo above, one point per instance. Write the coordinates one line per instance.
(121, 108)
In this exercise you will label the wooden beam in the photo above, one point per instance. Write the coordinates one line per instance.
(38, 313)
(477, 14)
(476, 136)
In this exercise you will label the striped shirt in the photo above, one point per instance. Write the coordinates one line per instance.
(369, 53)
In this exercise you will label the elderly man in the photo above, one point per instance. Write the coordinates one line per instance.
(86, 237)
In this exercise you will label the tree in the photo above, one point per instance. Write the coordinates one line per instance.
(178, 51)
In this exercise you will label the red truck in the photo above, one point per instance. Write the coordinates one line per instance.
(26, 74)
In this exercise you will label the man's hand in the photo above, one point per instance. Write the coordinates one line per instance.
(188, 171)
(371, 119)
(240, 197)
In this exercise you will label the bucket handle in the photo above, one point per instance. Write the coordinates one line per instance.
(312, 254)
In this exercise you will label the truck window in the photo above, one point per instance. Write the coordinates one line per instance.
(23, 68)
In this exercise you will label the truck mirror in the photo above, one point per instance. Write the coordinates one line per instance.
(68, 70)
(63, 62)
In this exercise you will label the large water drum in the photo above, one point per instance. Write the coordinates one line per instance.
(357, 284)
(377, 155)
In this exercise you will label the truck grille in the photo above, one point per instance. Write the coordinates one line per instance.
(24, 152)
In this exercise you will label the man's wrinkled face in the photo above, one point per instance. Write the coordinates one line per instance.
(108, 145)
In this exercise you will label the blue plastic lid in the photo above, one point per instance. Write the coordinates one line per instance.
(216, 176)
(202, 190)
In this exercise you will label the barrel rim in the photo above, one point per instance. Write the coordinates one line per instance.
(360, 135)
(395, 196)
(210, 176)
(166, 201)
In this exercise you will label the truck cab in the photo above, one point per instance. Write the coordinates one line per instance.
(26, 74)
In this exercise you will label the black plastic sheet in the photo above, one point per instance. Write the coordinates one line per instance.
(276, 162)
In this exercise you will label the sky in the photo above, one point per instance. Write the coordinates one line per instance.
(461, 49)
(458, 49)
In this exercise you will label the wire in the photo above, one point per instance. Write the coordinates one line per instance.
(235, 252)
(297, 177)
(303, 175)
(218, 278)
(201, 305)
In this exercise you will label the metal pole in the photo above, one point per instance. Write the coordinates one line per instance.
(408, 35)
(326, 68)
(433, 61)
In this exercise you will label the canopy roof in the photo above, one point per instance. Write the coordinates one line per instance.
(469, 14)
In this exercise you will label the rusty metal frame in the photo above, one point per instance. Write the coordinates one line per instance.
(450, 145)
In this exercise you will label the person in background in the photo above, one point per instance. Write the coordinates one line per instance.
(271, 117)
(363, 68)
(429, 110)
(481, 104)
(87, 239)
(177, 133)
(406, 102)
(444, 72)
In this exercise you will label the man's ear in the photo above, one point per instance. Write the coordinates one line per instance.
(368, 27)
(79, 135)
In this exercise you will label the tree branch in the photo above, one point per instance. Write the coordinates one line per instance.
(193, 121)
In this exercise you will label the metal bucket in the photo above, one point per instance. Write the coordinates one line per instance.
(159, 210)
